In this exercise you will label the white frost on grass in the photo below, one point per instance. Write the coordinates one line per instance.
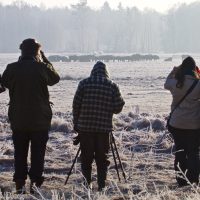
(144, 145)
(142, 121)
(145, 152)
(61, 125)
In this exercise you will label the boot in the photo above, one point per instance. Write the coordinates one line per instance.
(87, 178)
(101, 177)
(20, 187)
(2, 191)
(37, 183)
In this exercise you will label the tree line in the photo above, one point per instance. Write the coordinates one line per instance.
(81, 29)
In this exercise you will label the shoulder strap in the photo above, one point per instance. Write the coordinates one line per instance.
(188, 92)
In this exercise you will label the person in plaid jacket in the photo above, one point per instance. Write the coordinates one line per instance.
(96, 100)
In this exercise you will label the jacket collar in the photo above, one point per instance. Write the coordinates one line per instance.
(33, 58)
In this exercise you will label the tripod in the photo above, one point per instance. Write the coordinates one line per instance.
(113, 145)
(113, 149)
(70, 171)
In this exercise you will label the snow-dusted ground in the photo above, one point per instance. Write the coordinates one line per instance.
(144, 145)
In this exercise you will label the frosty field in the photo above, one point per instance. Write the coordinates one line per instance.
(144, 145)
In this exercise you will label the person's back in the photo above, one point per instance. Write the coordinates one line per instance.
(186, 115)
(99, 98)
(27, 81)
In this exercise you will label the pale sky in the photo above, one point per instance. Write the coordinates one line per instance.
(159, 5)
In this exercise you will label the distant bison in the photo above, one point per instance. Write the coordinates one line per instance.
(168, 59)
(57, 58)
(184, 56)
(104, 58)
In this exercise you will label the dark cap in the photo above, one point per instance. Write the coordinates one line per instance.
(99, 63)
(30, 46)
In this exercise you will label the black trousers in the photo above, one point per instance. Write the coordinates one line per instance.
(187, 157)
(21, 141)
(94, 147)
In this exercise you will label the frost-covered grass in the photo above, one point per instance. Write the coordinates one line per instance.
(145, 150)
(144, 145)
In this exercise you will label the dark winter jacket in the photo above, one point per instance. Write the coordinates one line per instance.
(27, 81)
(96, 100)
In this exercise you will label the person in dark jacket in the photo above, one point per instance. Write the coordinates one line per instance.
(29, 110)
(96, 100)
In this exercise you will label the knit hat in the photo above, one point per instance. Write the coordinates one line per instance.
(29, 46)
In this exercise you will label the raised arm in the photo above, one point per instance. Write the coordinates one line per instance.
(6, 77)
(53, 76)
(2, 89)
(170, 79)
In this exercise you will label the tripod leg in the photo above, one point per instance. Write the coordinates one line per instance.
(113, 153)
(70, 171)
(120, 163)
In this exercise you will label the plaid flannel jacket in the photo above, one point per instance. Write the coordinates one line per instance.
(96, 100)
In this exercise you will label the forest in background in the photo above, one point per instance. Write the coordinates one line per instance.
(81, 29)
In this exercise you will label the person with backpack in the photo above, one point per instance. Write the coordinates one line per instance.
(184, 122)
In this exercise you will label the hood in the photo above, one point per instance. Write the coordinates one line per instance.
(100, 69)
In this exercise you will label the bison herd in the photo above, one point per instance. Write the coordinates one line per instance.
(105, 58)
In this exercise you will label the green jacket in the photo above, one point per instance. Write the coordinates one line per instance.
(27, 81)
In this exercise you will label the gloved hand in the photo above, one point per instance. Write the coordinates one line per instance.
(76, 140)
(44, 58)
